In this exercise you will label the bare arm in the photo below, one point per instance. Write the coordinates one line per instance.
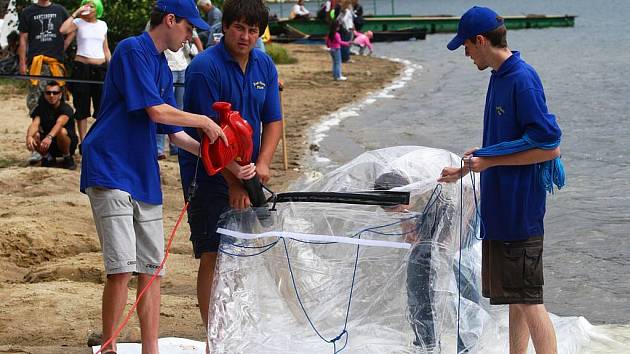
(166, 114)
(270, 138)
(47, 140)
(478, 164)
(22, 51)
(68, 26)
(59, 124)
(108, 53)
(183, 140)
(69, 38)
(198, 44)
(33, 128)
(528, 157)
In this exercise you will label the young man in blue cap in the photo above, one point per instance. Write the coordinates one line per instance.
(120, 172)
(231, 71)
(512, 199)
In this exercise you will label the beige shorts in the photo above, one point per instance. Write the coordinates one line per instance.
(131, 232)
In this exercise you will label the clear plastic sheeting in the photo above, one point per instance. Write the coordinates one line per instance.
(303, 294)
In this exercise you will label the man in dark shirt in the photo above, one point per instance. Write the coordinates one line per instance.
(42, 46)
(41, 49)
(51, 132)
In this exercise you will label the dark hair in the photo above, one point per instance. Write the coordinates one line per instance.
(389, 180)
(252, 12)
(497, 37)
(53, 83)
(42, 97)
(333, 28)
(158, 15)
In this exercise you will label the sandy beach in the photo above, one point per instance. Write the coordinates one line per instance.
(52, 274)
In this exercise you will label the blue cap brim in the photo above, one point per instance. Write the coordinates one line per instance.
(199, 23)
(455, 43)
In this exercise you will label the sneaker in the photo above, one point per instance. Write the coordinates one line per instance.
(49, 162)
(35, 158)
(341, 78)
(68, 163)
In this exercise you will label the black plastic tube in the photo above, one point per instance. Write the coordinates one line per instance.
(382, 198)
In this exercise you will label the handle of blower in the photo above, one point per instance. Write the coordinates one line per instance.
(255, 192)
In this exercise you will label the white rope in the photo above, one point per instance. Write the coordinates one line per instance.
(314, 238)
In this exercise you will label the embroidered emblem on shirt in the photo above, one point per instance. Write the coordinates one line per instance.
(259, 85)
(499, 110)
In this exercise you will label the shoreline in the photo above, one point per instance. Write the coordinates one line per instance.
(52, 264)
(319, 132)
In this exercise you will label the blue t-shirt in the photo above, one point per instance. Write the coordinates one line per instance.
(512, 198)
(215, 76)
(119, 151)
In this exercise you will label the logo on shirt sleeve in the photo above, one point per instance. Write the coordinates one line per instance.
(499, 110)
(259, 85)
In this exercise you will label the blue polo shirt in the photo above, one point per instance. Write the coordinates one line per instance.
(512, 199)
(119, 151)
(215, 76)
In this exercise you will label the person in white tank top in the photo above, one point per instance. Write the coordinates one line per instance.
(90, 62)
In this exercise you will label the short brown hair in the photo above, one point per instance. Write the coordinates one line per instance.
(252, 12)
(157, 16)
(497, 37)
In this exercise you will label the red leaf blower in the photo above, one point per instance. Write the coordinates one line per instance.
(217, 155)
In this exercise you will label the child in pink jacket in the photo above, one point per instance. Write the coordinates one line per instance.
(363, 40)
(334, 43)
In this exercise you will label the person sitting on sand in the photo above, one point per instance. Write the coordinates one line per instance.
(52, 120)
(363, 42)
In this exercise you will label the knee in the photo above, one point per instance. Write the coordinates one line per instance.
(528, 310)
(120, 279)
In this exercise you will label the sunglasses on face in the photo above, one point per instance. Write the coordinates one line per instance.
(52, 93)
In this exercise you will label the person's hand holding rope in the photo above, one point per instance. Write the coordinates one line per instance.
(453, 174)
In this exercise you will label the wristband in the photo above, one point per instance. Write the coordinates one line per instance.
(50, 136)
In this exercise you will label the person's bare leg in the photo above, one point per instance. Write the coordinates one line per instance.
(541, 329)
(204, 287)
(149, 314)
(114, 301)
(82, 127)
(519, 332)
(63, 142)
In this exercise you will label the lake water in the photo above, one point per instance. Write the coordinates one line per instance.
(585, 73)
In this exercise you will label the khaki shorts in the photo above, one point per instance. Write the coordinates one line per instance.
(512, 271)
(131, 232)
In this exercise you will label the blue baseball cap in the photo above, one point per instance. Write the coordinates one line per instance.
(477, 20)
(183, 8)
